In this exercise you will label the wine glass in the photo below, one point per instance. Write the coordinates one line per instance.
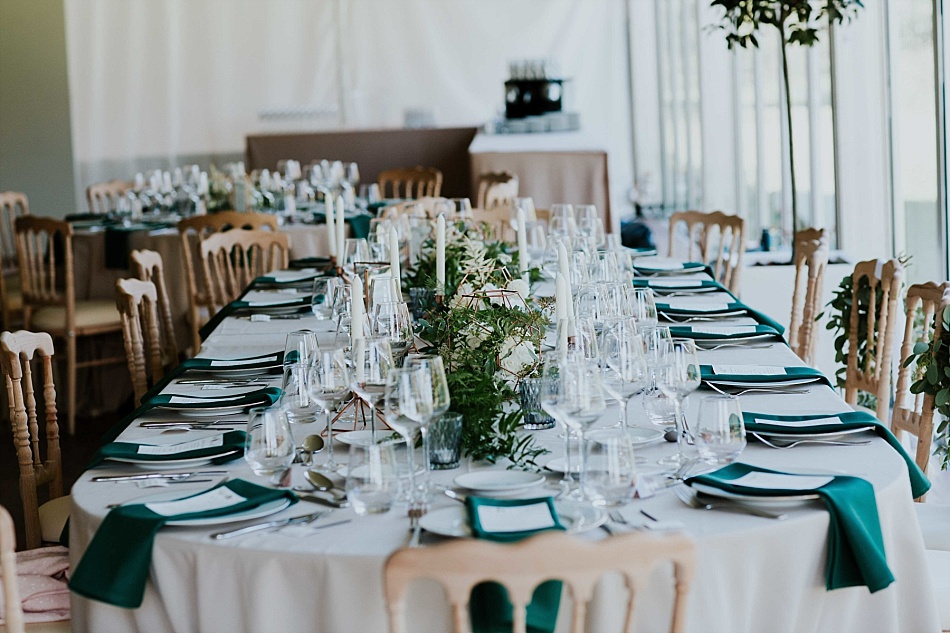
(463, 206)
(435, 389)
(584, 401)
(642, 305)
(299, 347)
(604, 267)
(610, 471)
(578, 335)
(677, 376)
(552, 401)
(323, 296)
(720, 433)
(526, 204)
(269, 447)
(391, 320)
(356, 253)
(352, 174)
(329, 386)
(625, 367)
(372, 362)
(403, 397)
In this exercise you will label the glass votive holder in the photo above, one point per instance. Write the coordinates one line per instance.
(535, 418)
(421, 301)
(445, 441)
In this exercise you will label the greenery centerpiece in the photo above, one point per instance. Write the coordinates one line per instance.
(488, 335)
(932, 376)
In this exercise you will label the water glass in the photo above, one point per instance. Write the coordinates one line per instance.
(445, 441)
(720, 436)
(269, 447)
(323, 296)
(642, 305)
(610, 472)
(372, 480)
(535, 418)
(421, 301)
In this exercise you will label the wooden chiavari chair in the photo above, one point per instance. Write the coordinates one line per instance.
(811, 260)
(148, 266)
(103, 196)
(233, 259)
(137, 302)
(727, 261)
(496, 189)
(412, 182)
(12, 205)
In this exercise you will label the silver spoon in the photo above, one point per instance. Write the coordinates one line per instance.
(311, 444)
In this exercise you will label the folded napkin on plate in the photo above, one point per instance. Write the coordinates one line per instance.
(506, 521)
(302, 304)
(311, 262)
(224, 447)
(279, 277)
(665, 265)
(42, 574)
(717, 332)
(719, 307)
(764, 374)
(262, 397)
(677, 285)
(855, 545)
(820, 423)
(115, 566)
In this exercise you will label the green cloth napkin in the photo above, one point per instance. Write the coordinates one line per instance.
(489, 608)
(302, 304)
(855, 544)
(115, 566)
(231, 448)
(310, 262)
(791, 373)
(267, 280)
(359, 222)
(919, 484)
(732, 306)
(686, 331)
(657, 283)
(689, 267)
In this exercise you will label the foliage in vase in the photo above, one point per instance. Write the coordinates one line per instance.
(932, 376)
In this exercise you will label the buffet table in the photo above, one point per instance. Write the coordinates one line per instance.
(754, 574)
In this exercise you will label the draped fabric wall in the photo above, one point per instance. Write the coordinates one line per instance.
(157, 83)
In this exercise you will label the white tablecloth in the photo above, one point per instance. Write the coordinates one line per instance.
(754, 575)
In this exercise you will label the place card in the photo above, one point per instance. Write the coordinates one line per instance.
(287, 276)
(659, 264)
(238, 362)
(212, 500)
(182, 447)
(749, 370)
(723, 330)
(521, 518)
(697, 306)
(814, 422)
(780, 481)
(197, 400)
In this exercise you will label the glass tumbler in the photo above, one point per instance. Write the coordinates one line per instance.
(269, 447)
(371, 478)
(610, 472)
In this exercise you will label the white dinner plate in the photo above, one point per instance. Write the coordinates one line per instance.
(738, 339)
(792, 499)
(267, 509)
(830, 435)
(662, 291)
(453, 521)
(559, 465)
(365, 438)
(170, 464)
(764, 384)
(206, 412)
(499, 480)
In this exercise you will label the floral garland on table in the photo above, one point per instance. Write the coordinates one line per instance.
(488, 337)
(932, 376)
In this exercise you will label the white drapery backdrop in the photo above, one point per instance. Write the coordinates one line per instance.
(159, 83)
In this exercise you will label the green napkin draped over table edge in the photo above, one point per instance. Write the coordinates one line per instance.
(791, 373)
(919, 484)
(264, 397)
(856, 554)
(657, 282)
(232, 445)
(489, 608)
(732, 306)
(114, 568)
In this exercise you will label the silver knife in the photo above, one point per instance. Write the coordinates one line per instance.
(270, 524)
(172, 475)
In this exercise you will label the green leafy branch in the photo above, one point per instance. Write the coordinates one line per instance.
(932, 376)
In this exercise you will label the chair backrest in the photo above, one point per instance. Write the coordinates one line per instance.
(233, 259)
(875, 335)
(44, 279)
(12, 205)
(13, 608)
(148, 266)
(499, 220)
(729, 248)
(811, 260)
(913, 413)
(137, 302)
(496, 189)
(103, 196)
(411, 182)
(16, 351)
(461, 565)
(191, 231)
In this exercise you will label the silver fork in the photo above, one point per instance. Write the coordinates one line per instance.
(722, 345)
(691, 498)
(794, 443)
(619, 519)
(774, 390)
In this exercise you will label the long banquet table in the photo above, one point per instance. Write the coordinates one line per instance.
(753, 574)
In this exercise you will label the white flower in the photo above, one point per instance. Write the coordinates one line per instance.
(517, 357)
(474, 335)
(460, 298)
(523, 289)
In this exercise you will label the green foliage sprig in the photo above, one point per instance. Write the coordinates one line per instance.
(477, 345)
(932, 376)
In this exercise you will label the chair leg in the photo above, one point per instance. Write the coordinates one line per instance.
(71, 382)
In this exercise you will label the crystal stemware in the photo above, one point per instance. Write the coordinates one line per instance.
(372, 361)
(677, 376)
(720, 433)
(625, 367)
(435, 388)
(329, 386)
(403, 394)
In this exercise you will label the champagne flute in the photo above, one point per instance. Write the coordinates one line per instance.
(720, 432)
(625, 367)
(677, 376)
(372, 362)
(329, 386)
(435, 388)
